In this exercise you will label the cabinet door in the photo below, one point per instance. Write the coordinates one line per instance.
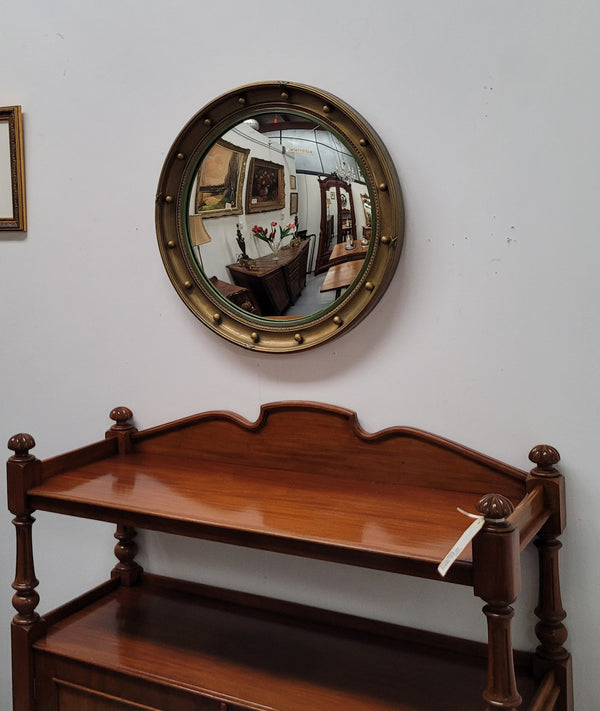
(68, 685)
(72, 697)
(295, 274)
(78, 698)
(275, 292)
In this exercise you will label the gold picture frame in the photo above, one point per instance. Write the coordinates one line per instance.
(265, 189)
(220, 180)
(13, 215)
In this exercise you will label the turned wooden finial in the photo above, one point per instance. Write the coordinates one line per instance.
(20, 444)
(122, 429)
(495, 506)
(121, 415)
(544, 457)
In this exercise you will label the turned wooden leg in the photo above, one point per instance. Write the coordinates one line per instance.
(550, 630)
(125, 550)
(23, 627)
(23, 472)
(25, 599)
(497, 580)
(502, 685)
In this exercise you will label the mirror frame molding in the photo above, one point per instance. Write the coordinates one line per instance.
(224, 318)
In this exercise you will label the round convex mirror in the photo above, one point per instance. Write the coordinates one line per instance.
(279, 216)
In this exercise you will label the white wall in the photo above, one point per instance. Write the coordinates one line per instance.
(488, 334)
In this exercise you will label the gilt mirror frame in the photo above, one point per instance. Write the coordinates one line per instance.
(278, 335)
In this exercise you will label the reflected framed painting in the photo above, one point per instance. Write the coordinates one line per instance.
(266, 188)
(220, 180)
(13, 215)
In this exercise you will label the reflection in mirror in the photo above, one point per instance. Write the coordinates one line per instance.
(338, 223)
(272, 222)
(366, 203)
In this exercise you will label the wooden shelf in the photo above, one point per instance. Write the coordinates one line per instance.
(383, 525)
(270, 653)
(304, 479)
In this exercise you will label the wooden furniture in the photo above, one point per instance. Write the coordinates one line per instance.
(312, 238)
(339, 252)
(238, 295)
(386, 501)
(332, 231)
(275, 283)
(340, 276)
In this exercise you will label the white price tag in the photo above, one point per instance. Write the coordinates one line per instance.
(462, 542)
